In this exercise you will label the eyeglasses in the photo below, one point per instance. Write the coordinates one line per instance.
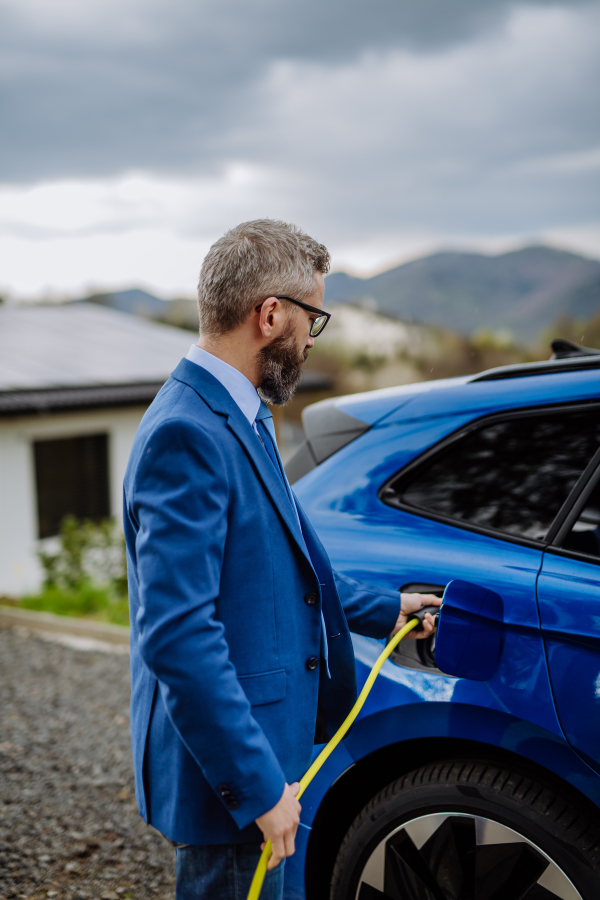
(316, 326)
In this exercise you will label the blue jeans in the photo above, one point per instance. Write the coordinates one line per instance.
(223, 872)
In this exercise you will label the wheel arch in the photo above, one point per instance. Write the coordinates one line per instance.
(353, 789)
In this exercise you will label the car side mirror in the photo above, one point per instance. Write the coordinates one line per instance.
(470, 629)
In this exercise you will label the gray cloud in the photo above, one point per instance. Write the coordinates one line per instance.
(179, 86)
(367, 122)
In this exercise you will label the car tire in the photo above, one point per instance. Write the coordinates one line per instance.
(469, 830)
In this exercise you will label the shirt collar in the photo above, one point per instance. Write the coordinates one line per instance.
(241, 389)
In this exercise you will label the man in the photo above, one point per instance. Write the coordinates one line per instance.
(239, 628)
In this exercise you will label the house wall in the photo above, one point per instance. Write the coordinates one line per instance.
(20, 571)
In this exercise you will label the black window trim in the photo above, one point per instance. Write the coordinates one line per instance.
(573, 514)
(569, 511)
(577, 494)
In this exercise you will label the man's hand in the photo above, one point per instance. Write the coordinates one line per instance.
(279, 825)
(411, 603)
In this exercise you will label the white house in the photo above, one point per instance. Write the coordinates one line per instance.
(75, 381)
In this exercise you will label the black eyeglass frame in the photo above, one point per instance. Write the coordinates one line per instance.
(312, 309)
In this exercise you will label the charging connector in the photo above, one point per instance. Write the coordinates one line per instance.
(421, 613)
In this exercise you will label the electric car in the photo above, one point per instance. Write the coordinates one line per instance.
(481, 785)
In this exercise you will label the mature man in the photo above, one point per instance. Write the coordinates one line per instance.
(239, 628)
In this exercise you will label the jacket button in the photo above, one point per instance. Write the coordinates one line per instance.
(227, 797)
(312, 663)
(311, 599)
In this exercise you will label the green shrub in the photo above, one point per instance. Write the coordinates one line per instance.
(88, 552)
(86, 575)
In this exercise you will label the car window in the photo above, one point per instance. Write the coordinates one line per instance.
(584, 536)
(512, 474)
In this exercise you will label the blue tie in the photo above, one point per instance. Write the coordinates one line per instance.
(266, 431)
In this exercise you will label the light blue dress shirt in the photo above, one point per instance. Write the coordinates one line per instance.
(245, 395)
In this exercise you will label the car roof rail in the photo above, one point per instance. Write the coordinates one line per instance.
(566, 357)
(564, 349)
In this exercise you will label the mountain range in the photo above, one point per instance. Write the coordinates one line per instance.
(523, 291)
(134, 301)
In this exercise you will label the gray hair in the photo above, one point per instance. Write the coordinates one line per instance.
(251, 262)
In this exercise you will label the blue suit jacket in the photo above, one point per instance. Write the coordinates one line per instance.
(223, 704)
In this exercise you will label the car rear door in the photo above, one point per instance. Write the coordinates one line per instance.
(503, 480)
(569, 603)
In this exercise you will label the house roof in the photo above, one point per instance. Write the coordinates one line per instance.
(83, 345)
(82, 355)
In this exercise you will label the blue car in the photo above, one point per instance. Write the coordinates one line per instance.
(478, 778)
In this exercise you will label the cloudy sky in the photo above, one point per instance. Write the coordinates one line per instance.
(134, 132)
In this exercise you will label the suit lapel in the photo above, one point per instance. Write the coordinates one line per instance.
(267, 473)
(220, 401)
(335, 618)
(316, 550)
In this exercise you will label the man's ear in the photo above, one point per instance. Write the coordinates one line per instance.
(271, 317)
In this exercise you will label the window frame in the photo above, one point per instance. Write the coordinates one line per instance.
(578, 493)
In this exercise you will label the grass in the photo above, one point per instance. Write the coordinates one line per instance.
(88, 602)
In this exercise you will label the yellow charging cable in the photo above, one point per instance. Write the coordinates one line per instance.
(261, 869)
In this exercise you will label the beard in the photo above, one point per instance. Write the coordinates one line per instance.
(281, 363)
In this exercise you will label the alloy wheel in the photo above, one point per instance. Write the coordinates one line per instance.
(455, 856)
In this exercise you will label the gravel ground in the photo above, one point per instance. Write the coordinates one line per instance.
(69, 827)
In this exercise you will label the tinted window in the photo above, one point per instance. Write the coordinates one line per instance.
(512, 475)
(71, 478)
(585, 533)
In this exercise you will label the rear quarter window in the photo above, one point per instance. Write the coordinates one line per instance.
(511, 474)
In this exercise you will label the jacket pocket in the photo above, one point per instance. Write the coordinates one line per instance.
(265, 687)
